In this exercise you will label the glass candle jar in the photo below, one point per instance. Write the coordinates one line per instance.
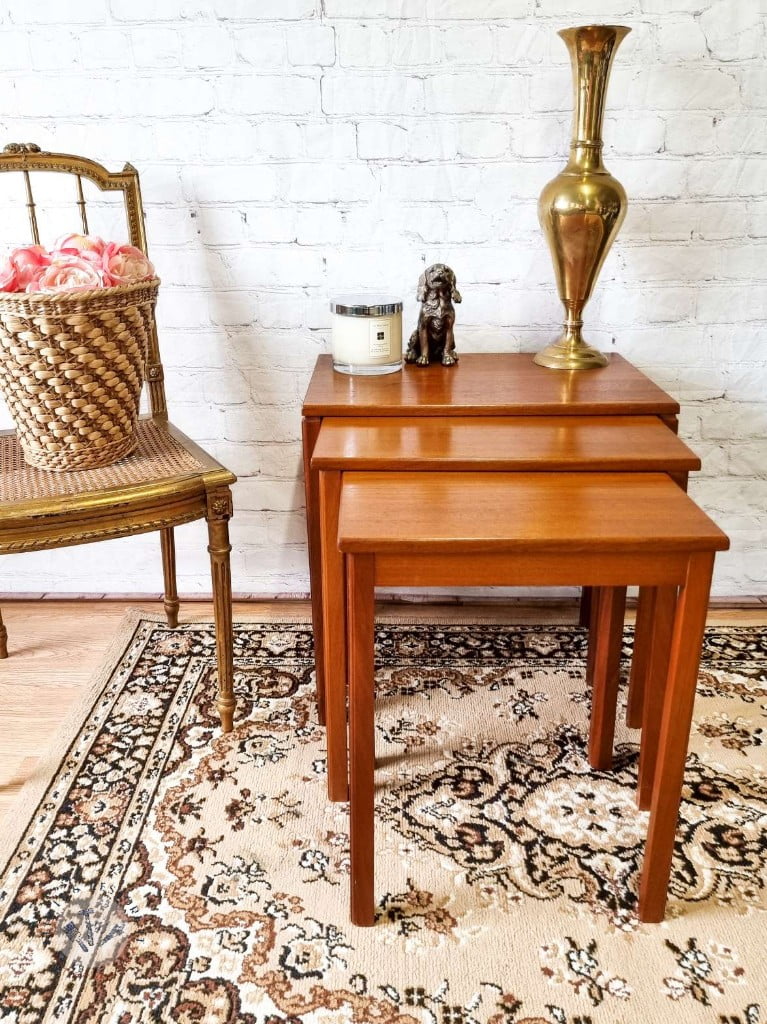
(367, 334)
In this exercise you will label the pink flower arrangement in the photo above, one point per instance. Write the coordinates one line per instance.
(77, 263)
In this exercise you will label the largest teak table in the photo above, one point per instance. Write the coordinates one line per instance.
(497, 386)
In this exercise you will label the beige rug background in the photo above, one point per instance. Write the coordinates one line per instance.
(167, 873)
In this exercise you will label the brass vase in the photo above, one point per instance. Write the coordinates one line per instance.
(582, 209)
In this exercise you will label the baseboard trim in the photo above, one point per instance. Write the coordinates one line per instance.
(734, 601)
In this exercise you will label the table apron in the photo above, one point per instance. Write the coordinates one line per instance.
(530, 570)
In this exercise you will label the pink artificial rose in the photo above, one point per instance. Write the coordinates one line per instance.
(81, 244)
(8, 276)
(67, 273)
(125, 264)
(29, 261)
(89, 255)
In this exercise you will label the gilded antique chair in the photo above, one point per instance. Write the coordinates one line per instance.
(167, 481)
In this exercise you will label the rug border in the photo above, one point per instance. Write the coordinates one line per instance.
(16, 818)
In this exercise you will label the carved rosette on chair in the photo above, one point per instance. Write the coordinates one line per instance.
(582, 209)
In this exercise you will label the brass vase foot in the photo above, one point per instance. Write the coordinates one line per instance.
(561, 356)
(570, 351)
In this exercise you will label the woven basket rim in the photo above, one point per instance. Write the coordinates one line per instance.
(66, 299)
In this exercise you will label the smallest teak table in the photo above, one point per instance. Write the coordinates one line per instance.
(529, 529)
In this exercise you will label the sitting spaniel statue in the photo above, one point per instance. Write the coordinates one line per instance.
(433, 340)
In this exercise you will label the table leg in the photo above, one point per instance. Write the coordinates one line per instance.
(686, 643)
(596, 593)
(664, 604)
(584, 608)
(360, 580)
(334, 635)
(640, 658)
(310, 428)
(643, 628)
(611, 609)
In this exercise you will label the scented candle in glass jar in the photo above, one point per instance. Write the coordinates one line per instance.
(367, 334)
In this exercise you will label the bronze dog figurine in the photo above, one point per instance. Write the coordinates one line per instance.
(433, 339)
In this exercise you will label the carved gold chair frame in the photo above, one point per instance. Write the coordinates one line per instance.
(168, 481)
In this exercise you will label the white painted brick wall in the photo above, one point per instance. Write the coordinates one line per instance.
(293, 148)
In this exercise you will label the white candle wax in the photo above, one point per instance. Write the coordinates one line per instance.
(367, 335)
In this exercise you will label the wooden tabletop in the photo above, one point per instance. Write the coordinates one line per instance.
(411, 513)
(597, 443)
(487, 384)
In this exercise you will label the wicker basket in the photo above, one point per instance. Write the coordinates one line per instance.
(71, 371)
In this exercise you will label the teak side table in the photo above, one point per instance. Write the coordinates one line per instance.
(481, 385)
(601, 529)
(487, 445)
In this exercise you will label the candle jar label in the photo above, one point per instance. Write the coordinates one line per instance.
(380, 338)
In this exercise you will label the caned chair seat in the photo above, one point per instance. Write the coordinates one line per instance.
(165, 482)
(161, 453)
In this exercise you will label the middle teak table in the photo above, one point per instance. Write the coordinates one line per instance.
(540, 444)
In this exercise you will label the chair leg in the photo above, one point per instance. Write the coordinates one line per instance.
(218, 515)
(170, 598)
(3, 639)
(687, 640)
(610, 612)
(360, 579)
(659, 648)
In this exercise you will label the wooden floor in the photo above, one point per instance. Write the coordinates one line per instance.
(56, 647)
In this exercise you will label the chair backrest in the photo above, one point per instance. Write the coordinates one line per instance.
(26, 158)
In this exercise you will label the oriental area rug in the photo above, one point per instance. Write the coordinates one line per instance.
(158, 871)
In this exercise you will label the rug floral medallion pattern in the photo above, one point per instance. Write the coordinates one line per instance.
(168, 873)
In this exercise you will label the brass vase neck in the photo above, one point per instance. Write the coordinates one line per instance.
(591, 49)
(572, 329)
